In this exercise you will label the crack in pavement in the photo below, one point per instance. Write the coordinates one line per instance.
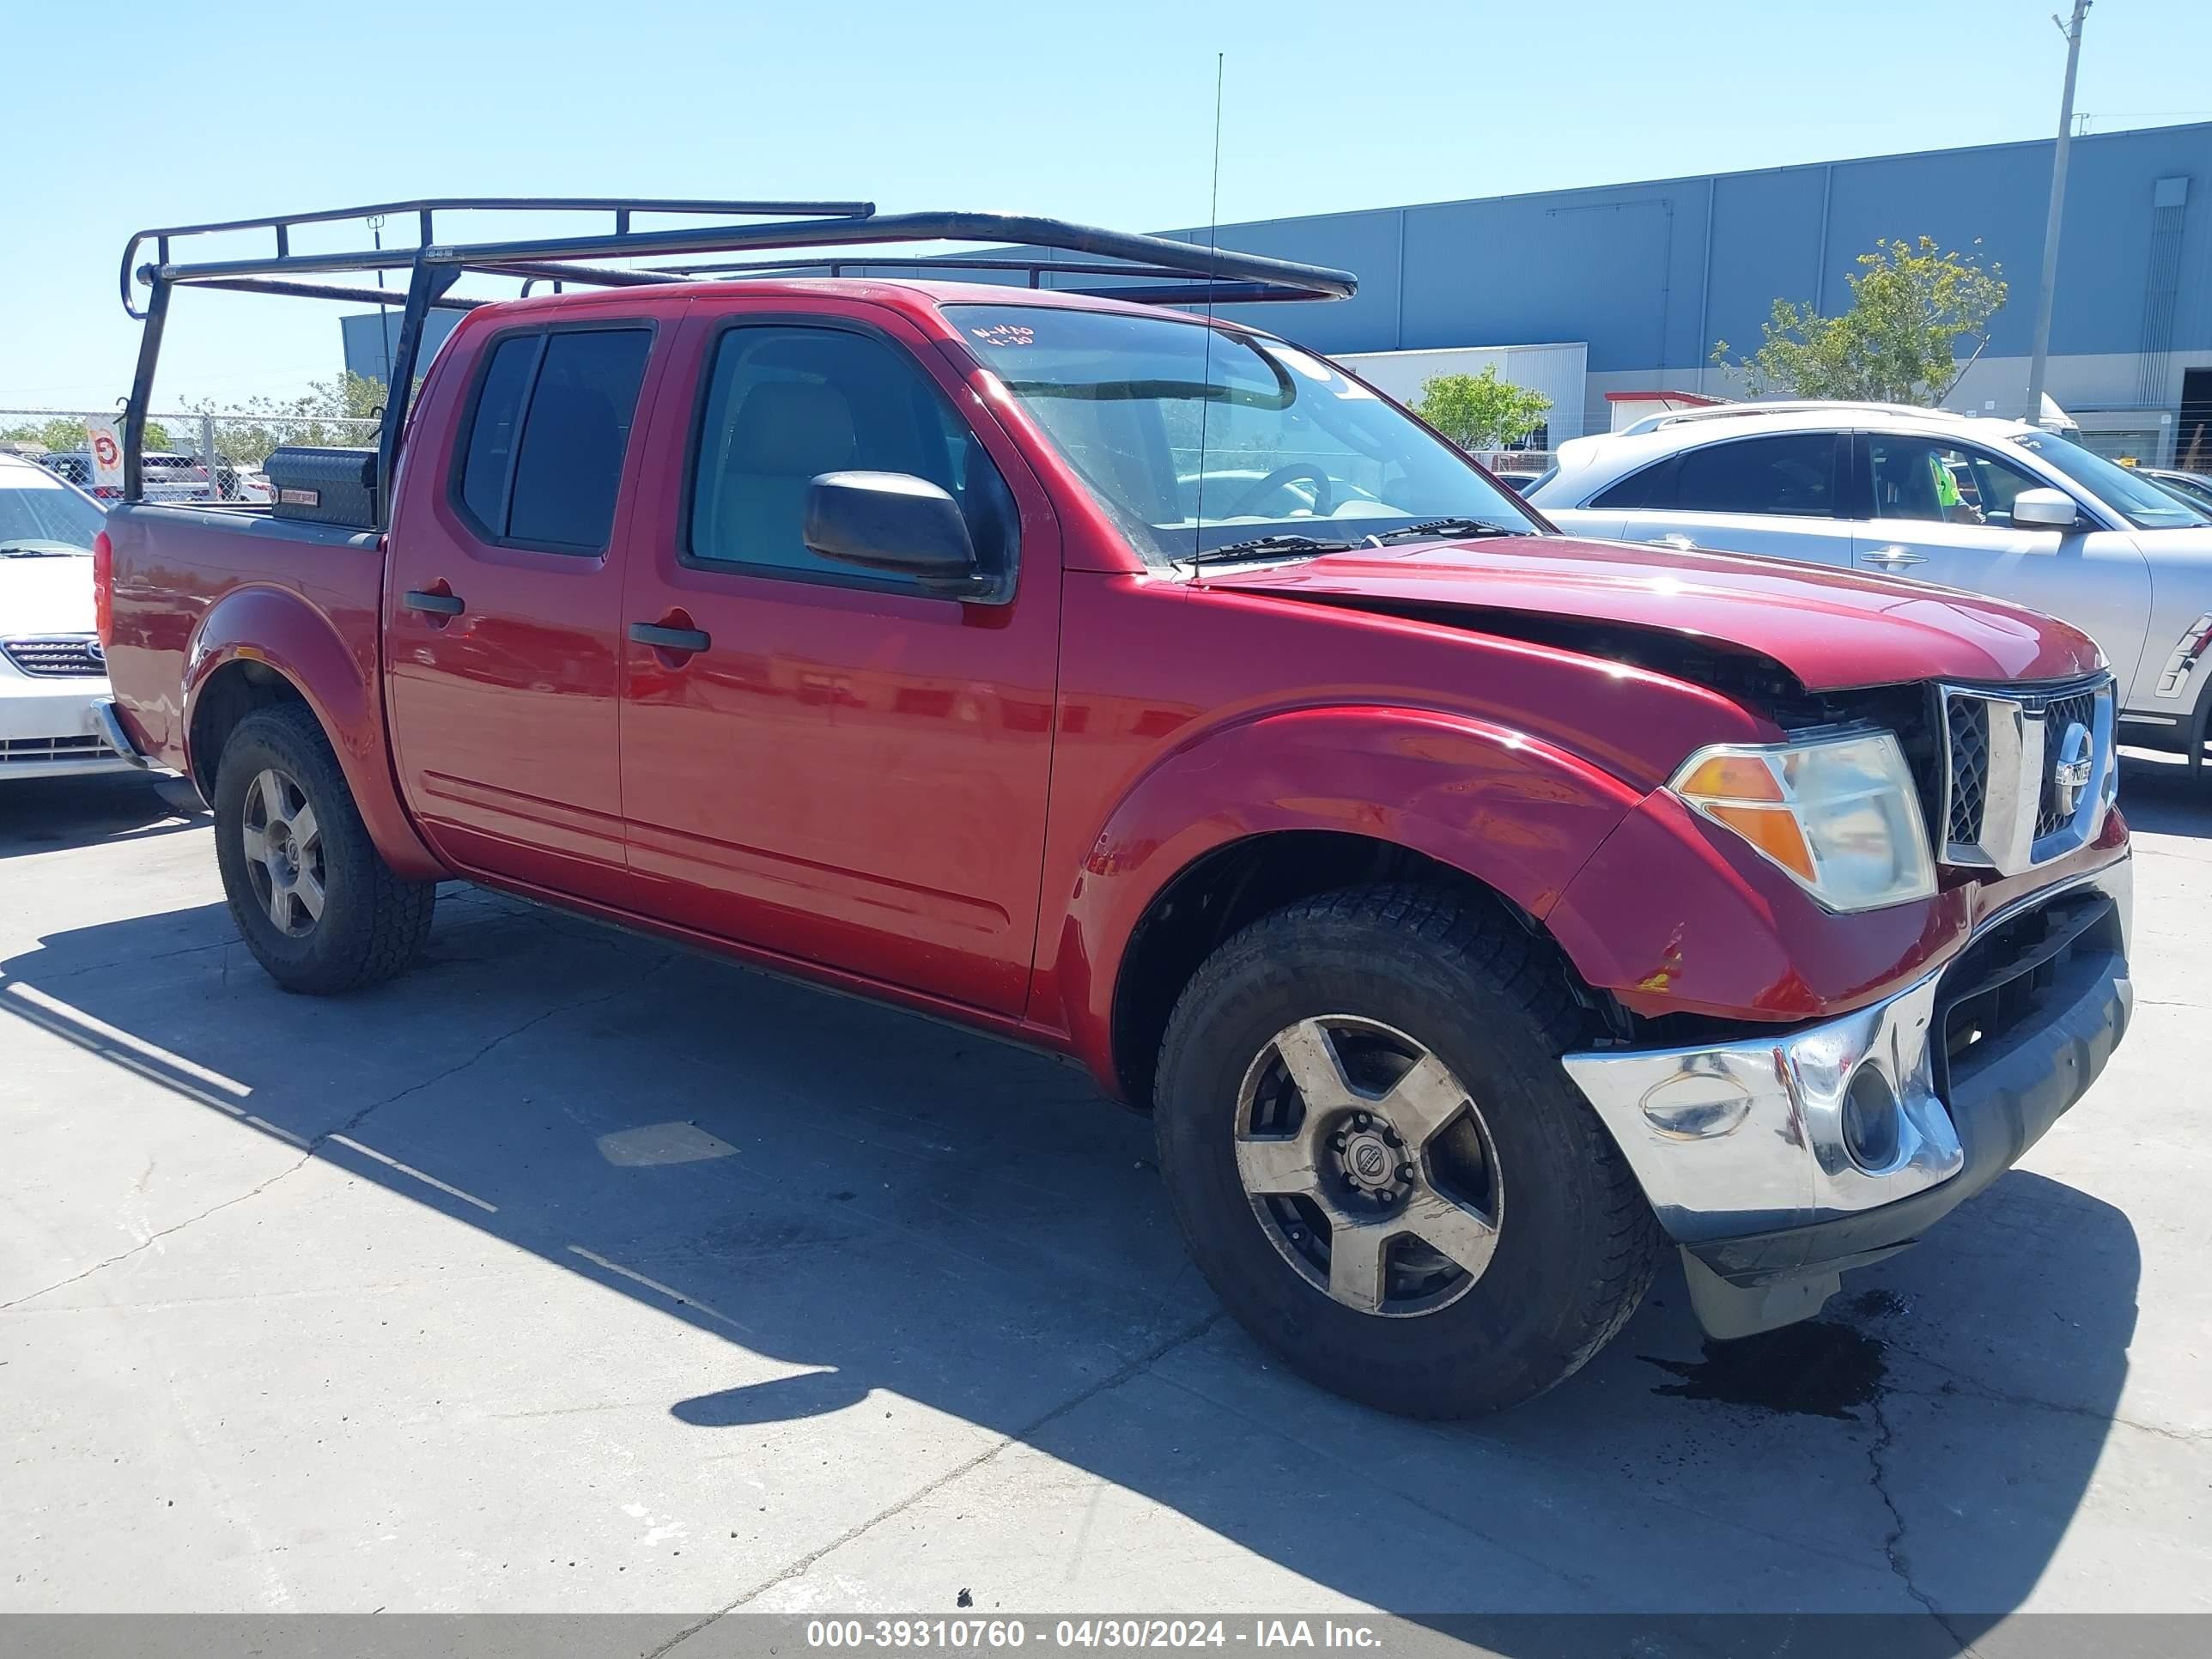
(312, 1149)
(1893, 1543)
(152, 1239)
(458, 1066)
(1128, 1373)
(2029, 1402)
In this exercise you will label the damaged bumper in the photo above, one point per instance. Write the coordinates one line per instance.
(1779, 1161)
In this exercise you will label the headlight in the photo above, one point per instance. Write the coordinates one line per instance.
(1839, 814)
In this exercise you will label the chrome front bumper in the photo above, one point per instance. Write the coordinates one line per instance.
(1742, 1149)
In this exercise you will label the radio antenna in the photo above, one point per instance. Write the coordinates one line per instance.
(1212, 279)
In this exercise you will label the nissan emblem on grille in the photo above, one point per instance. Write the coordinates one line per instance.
(2026, 772)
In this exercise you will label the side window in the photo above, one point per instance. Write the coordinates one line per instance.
(1943, 484)
(1795, 474)
(785, 405)
(1652, 487)
(491, 434)
(544, 455)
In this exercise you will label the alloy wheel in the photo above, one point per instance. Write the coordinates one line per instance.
(1369, 1165)
(283, 851)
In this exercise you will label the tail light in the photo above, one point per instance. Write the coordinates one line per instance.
(103, 589)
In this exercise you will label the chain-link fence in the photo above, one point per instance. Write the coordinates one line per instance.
(188, 457)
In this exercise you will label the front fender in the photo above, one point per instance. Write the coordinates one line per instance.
(282, 631)
(1516, 814)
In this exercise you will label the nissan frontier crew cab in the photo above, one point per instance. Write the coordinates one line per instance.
(1481, 914)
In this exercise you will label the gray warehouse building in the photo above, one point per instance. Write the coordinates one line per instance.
(1627, 287)
(1647, 276)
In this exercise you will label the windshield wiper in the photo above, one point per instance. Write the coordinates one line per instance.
(1269, 545)
(33, 548)
(1456, 528)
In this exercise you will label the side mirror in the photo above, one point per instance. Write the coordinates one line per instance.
(2046, 509)
(893, 522)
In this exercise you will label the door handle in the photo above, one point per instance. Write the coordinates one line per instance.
(438, 604)
(1894, 558)
(670, 639)
(1675, 539)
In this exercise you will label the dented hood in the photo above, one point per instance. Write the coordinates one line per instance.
(1832, 628)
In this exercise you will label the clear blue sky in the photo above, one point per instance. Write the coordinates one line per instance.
(1098, 112)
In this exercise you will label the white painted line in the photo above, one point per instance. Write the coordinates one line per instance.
(409, 1169)
(677, 1296)
(77, 1016)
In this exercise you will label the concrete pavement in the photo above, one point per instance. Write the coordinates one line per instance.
(573, 1272)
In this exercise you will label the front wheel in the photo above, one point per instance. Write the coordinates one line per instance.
(1377, 1162)
(313, 899)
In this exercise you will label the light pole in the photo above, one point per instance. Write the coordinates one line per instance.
(2045, 292)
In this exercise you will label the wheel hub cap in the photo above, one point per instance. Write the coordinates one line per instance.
(284, 848)
(1368, 1166)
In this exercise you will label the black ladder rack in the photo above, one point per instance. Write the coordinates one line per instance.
(1151, 269)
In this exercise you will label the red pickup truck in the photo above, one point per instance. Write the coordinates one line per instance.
(1479, 912)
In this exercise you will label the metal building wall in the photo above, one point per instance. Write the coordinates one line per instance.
(1649, 275)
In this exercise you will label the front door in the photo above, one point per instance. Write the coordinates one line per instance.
(1942, 512)
(819, 761)
(503, 607)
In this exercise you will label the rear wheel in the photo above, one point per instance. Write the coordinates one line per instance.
(1378, 1162)
(311, 895)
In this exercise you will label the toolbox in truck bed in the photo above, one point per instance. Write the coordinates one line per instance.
(323, 486)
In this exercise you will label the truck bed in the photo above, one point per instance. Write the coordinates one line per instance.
(173, 565)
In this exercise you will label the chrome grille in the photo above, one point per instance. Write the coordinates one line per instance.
(2059, 716)
(2020, 786)
(23, 751)
(1967, 720)
(57, 657)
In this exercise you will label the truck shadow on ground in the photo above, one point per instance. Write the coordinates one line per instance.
(49, 815)
(908, 1210)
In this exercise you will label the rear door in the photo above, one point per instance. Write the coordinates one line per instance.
(1942, 512)
(843, 768)
(503, 608)
(1777, 495)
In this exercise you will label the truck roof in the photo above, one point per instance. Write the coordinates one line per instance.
(901, 291)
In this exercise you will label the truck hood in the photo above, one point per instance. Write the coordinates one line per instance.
(46, 595)
(1832, 630)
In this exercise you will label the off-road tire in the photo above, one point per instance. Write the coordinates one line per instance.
(373, 923)
(1576, 1242)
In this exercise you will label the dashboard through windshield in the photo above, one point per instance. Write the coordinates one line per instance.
(1201, 439)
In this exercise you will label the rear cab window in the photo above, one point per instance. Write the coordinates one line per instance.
(540, 459)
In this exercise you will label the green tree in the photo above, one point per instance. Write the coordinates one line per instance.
(1480, 411)
(1913, 305)
(66, 433)
(63, 432)
(310, 418)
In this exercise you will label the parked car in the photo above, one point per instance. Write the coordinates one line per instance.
(2193, 487)
(169, 477)
(1478, 911)
(1998, 508)
(56, 720)
(1519, 479)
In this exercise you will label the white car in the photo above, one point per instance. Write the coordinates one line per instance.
(1999, 507)
(54, 714)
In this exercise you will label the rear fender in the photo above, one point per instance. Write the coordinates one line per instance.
(1515, 815)
(280, 630)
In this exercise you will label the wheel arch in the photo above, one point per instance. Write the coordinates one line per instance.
(258, 646)
(1287, 807)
